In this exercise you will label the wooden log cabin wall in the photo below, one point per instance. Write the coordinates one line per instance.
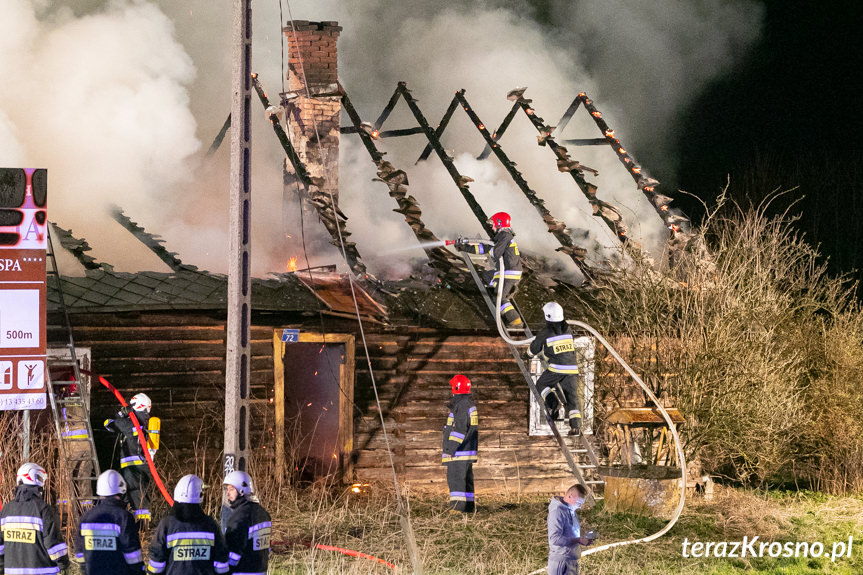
(177, 356)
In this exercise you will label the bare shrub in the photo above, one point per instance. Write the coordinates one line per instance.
(744, 322)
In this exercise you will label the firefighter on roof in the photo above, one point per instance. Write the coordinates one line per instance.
(107, 540)
(460, 441)
(504, 245)
(133, 464)
(187, 541)
(30, 539)
(556, 342)
(247, 533)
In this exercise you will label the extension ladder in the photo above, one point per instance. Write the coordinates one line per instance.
(578, 450)
(69, 395)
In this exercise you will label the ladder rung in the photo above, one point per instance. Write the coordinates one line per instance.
(66, 382)
(588, 466)
(61, 362)
(595, 482)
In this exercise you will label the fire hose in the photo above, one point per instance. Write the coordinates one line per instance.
(352, 553)
(677, 443)
(141, 438)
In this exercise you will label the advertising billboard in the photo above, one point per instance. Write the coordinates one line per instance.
(23, 289)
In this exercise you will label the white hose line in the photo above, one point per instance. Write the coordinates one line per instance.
(677, 443)
(500, 329)
(679, 446)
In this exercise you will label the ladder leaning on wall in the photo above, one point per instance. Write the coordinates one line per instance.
(69, 394)
(579, 452)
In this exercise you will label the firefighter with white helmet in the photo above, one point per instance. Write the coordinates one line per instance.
(504, 245)
(460, 444)
(555, 341)
(30, 538)
(107, 539)
(247, 533)
(188, 541)
(133, 464)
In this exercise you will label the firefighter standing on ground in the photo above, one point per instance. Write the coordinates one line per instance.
(133, 464)
(30, 539)
(504, 246)
(556, 342)
(247, 533)
(107, 540)
(187, 541)
(460, 441)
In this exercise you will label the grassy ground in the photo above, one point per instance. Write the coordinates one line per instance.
(508, 536)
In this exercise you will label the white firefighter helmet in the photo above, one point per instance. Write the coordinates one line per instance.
(110, 483)
(553, 311)
(141, 402)
(31, 474)
(189, 489)
(241, 481)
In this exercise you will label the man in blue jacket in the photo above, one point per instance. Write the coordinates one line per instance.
(564, 532)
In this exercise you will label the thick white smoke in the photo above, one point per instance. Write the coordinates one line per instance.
(116, 97)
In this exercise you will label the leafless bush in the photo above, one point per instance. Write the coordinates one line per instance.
(750, 324)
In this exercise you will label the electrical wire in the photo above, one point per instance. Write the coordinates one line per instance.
(350, 278)
(399, 499)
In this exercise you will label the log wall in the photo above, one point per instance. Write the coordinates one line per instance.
(178, 360)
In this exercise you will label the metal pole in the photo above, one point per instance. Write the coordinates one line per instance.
(238, 358)
(25, 435)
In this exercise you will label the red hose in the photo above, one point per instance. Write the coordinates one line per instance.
(141, 439)
(355, 554)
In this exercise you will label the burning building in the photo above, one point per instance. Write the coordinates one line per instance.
(319, 404)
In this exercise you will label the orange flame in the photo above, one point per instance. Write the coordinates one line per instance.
(596, 114)
(636, 169)
(291, 266)
(609, 133)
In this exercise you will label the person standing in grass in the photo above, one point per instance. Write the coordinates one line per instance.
(564, 532)
(460, 442)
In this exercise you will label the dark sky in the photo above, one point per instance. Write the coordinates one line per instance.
(791, 115)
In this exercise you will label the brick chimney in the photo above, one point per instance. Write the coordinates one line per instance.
(313, 64)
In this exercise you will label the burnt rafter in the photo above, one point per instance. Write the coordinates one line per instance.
(153, 242)
(78, 248)
(608, 213)
(397, 182)
(677, 224)
(555, 227)
(433, 138)
(329, 213)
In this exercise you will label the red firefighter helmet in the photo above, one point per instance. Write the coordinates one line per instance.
(500, 220)
(460, 384)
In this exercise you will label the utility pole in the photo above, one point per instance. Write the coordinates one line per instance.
(238, 359)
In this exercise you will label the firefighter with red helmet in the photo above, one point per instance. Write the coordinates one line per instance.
(133, 464)
(555, 341)
(30, 537)
(504, 245)
(460, 442)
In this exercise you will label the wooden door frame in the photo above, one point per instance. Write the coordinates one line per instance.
(346, 383)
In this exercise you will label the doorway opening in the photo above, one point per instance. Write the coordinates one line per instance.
(313, 403)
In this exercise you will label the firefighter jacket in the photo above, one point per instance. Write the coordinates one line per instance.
(188, 542)
(107, 540)
(248, 537)
(504, 245)
(461, 432)
(131, 453)
(555, 340)
(30, 540)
